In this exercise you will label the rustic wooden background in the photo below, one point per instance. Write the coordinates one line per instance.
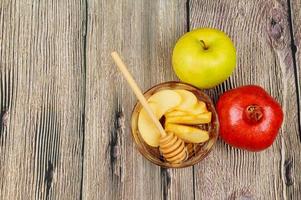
(65, 110)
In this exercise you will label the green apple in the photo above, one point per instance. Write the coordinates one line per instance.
(204, 57)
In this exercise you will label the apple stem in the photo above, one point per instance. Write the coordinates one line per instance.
(253, 113)
(204, 45)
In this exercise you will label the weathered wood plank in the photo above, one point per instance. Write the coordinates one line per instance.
(295, 19)
(144, 33)
(260, 31)
(295, 29)
(41, 81)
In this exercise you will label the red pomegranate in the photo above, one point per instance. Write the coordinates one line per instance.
(249, 118)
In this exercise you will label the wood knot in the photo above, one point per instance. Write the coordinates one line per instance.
(241, 194)
(165, 180)
(114, 148)
(275, 27)
(116, 134)
(288, 166)
(4, 118)
(49, 177)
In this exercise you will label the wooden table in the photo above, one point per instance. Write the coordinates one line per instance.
(65, 110)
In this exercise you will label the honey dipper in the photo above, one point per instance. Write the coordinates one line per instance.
(172, 148)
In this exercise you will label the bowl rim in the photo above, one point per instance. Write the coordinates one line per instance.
(181, 165)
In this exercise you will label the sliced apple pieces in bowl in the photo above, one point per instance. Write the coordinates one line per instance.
(160, 102)
(181, 109)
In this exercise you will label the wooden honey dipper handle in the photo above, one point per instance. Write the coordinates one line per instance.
(137, 92)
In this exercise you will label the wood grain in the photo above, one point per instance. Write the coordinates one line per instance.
(41, 99)
(143, 32)
(295, 29)
(261, 35)
(65, 109)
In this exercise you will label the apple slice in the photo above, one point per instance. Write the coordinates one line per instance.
(198, 109)
(160, 102)
(147, 128)
(175, 113)
(188, 133)
(189, 100)
(165, 100)
(202, 118)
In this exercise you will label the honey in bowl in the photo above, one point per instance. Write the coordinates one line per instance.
(183, 110)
